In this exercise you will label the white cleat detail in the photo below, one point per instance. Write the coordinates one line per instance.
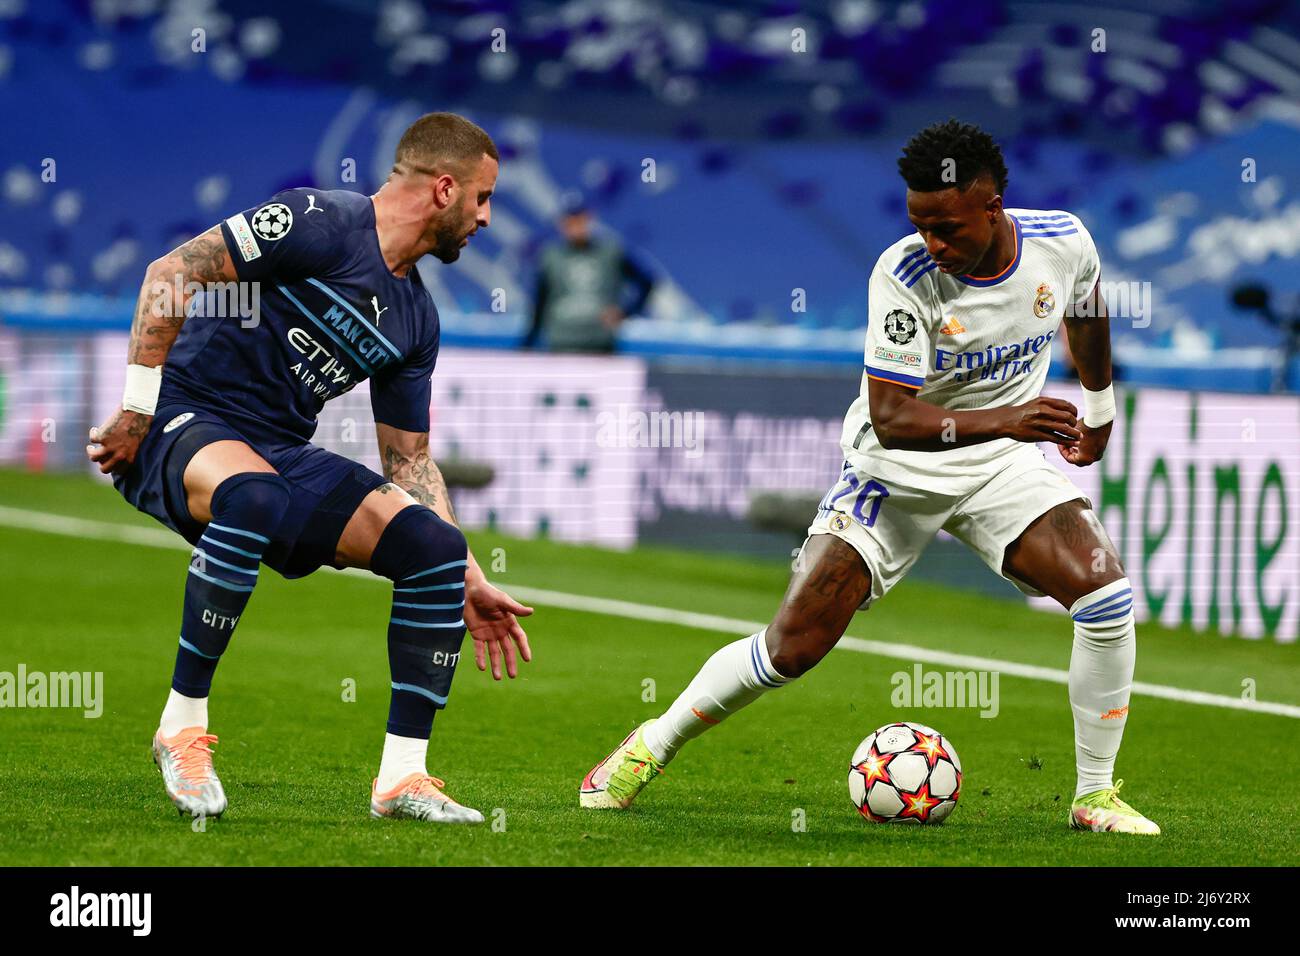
(1104, 812)
(188, 775)
(420, 797)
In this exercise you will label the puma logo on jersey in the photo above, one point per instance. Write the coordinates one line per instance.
(374, 304)
(311, 205)
(952, 326)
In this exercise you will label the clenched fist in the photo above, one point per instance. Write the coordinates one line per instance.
(114, 444)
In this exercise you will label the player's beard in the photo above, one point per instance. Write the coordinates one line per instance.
(449, 234)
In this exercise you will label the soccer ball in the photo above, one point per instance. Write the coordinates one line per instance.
(905, 773)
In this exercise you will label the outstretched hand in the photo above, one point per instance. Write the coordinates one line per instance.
(492, 617)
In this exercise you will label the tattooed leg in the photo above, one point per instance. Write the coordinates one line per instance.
(821, 600)
(367, 524)
(831, 583)
(1065, 553)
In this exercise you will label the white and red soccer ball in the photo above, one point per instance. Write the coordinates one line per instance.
(905, 773)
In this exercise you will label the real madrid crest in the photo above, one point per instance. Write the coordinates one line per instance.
(839, 522)
(1044, 301)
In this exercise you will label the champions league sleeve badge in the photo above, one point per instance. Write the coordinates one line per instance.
(900, 326)
(272, 221)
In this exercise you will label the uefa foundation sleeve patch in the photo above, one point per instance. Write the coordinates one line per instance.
(898, 356)
(244, 238)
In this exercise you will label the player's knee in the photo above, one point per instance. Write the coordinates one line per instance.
(254, 501)
(1106, 613)
(417, 541)
(442, 541)
(1083, 584)
(796, 649)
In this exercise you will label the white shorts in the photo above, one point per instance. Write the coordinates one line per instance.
(890, 524)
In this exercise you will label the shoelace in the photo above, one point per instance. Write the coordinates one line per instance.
(430, 786)
(194, 758)
(1109, 799)
(1112, 797)
(628, 777)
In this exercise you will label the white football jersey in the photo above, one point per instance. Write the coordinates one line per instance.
(965, 342)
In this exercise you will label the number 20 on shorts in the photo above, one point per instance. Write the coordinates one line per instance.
(872, 490)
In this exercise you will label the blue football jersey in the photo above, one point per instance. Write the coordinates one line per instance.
(330, 315)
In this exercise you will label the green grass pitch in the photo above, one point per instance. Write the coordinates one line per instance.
(297, 759)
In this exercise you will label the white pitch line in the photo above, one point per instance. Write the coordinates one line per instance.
(48, 523)
(86, 528)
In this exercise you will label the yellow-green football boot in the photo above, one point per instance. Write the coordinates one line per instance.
(1102, 811)
(615, 782)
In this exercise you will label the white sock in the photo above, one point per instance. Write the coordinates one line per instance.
(182, 712)
(402, 756)
(1101, 676)
(736, 675)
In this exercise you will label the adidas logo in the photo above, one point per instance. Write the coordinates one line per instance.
(952, 327)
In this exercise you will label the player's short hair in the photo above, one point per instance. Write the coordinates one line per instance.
(951, 154)
(442, 142)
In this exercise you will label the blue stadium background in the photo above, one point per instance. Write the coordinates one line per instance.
(774, 169)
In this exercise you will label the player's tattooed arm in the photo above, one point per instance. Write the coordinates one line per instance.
(408, 464)
(169, 284)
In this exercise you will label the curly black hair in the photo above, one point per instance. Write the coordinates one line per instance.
(923, 164)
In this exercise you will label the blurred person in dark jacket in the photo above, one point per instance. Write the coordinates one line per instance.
(586, 287)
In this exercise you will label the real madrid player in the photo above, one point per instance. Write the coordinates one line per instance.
(961, 318)
(214, 440)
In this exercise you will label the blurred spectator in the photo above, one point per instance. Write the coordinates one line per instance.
(586, 287)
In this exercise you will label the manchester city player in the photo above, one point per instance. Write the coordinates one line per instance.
(214, 440)
(961, 317)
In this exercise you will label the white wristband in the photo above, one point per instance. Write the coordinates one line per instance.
(142, 384)
(1099, 407)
